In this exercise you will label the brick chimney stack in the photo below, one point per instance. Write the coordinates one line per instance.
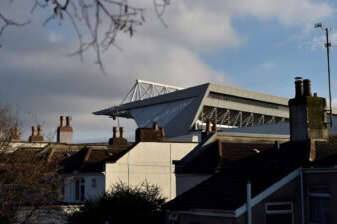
(307, 114)
(36, 135)
(65, 131)
(154, 134)
(120, 140)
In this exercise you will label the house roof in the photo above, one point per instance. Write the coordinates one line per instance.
(325, 153)
(220, 148)
(91, 160)
(88, 157)
(209, 160)
(226, 190)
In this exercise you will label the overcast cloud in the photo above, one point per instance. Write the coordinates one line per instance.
(41, 82)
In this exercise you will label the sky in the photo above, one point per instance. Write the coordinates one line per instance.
(260, 45)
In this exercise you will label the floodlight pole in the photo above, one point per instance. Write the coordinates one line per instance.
(328, 45)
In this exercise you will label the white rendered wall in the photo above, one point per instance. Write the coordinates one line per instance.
(151, 162)
(91, 192)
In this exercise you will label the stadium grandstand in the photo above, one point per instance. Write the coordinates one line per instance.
(183, 111)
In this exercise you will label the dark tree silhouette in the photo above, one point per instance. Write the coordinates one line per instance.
(27, 180)
(124, 205)
(7, 124)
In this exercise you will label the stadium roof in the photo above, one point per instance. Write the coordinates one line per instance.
(181, 110)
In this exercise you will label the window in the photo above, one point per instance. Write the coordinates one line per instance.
(77, 190)
(82, 193)
(62, 192)
(93, 183)
(279, 213)
(80, 189)
(319, 209)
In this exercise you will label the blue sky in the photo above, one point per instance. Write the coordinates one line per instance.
(272, 55)
(259, 45)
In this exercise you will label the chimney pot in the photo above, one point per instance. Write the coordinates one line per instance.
(155, 126)
(298, 87)
(61, 121)
(39, 130)
(33, 131)
(306, 87)
(121, 132)
(114, 131)
(68, 120)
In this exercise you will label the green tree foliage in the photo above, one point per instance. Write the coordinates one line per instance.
(123, 204)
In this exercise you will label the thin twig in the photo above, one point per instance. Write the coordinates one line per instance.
(97, 23)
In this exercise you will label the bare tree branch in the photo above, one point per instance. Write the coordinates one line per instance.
(27, 178)
(97, 23)
(160, 8)
(6, 22)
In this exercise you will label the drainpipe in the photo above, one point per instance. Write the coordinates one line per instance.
(302, 196)
(249, 205)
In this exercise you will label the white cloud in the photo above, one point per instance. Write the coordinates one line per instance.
(207, 26)
(200, 28)
(289, 12)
